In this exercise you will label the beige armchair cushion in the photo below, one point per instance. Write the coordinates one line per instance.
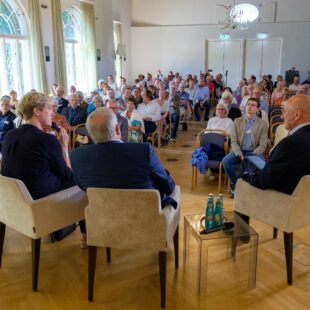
(282, 211)
(37, 218)
(126, 219)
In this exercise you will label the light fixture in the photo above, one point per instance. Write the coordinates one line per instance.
(224, 36)
(239, 16)
(262, 36)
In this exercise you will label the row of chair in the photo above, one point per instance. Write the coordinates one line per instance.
(139, 223)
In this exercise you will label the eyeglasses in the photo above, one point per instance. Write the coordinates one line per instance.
(221, 109)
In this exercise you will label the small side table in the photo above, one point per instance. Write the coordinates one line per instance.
(192, 227)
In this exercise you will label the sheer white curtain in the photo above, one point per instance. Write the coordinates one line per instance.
(59, 46)
(89, 45)
(39, 71)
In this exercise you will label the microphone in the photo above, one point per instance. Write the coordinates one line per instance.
(55, 127)
(226, 73)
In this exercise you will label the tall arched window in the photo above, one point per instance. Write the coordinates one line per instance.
(71, 21)
(14, 49)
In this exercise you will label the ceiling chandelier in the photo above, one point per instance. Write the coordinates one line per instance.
(239, 16)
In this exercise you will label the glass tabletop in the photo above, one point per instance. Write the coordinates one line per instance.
(240, 229)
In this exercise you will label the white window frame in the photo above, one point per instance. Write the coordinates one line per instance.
(21, 61)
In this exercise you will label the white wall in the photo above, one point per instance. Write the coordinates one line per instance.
(182, 48)
(202, 12)
(105, 12)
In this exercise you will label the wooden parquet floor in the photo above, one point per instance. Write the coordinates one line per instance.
(131, 281)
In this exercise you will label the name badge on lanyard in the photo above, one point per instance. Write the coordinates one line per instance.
(248, 131)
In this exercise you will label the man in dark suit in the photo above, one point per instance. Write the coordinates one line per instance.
(114, 164)
(289, 161)
(61, 101)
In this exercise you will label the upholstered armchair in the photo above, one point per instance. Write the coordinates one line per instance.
(37, 218)
(285, 212)
(131, 219)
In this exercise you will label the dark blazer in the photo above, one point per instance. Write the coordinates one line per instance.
(74, 118)
(123, 125)
(288, 163)
(6, 124)
(121, 165)
(35, 157)
(62, 103)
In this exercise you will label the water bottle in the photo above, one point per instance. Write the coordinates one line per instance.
(218, 212)
(210, 213)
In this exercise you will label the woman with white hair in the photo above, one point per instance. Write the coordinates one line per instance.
(228, 99)
(221, 121)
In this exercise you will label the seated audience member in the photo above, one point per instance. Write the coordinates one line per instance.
(245, 98)
(149, 80)
(191, 94)
(257, 93)
(277, 95)
(210, 85)
(14, 101)
(221, 120)
(304, 89)
(150, 112)
(249, 135)
(218, 86)
(125, 96)
(270, 82)
(6, 118)
(201, 100)
(137, 96)
(266, 90)
(34, 156)
(112, 84)
(238, 92)
(97, 102)
(135, 121)
(307, 80)
(72, 90)
(289, 160)
(74, 114)
(82, 101)
(296, 86)
(279, 79)
(122, 121)
(227, 99)
(137, 164)
(164, 105)
(184, 97)
(174, 102)
(100, 86)
(61, 100)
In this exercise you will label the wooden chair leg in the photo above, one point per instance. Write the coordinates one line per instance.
(220, 179)
(36, 246)
(2, 235)
(92, 255)
(162, 276)
(176, 248)
(108, 250)
(275, 233)
(288, 245)
(193, 177)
